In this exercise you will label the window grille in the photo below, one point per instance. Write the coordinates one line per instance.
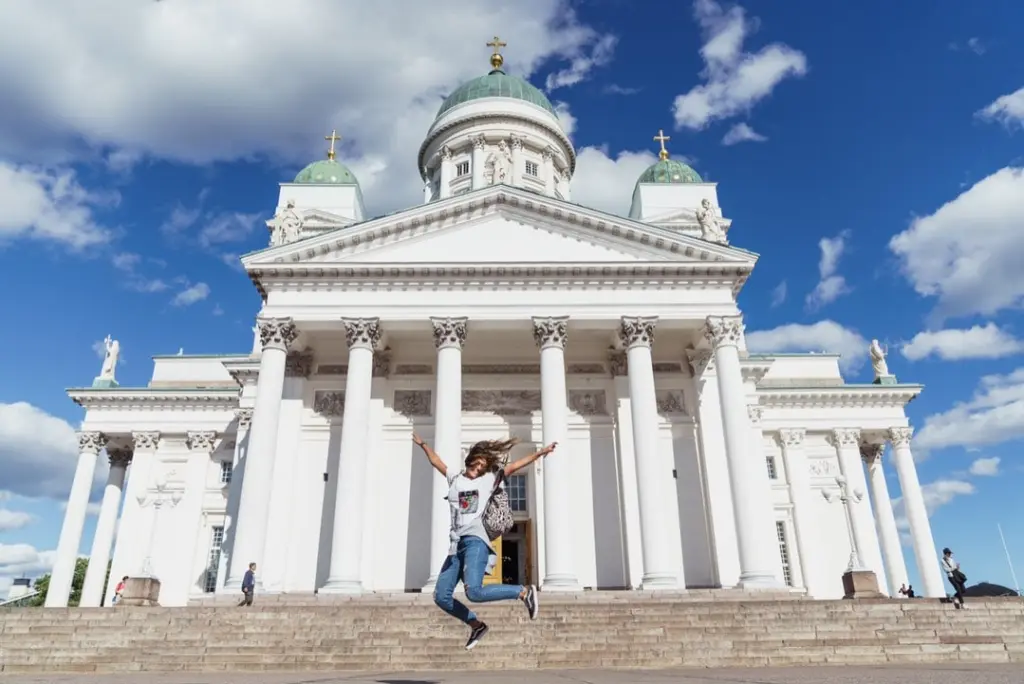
(780, 531)
(516, 488)
(213, 563)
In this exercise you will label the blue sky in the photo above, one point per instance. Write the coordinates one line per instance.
(870, 153)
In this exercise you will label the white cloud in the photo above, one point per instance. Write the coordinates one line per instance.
(978, 342)
(128, 263)
(994, 415)
(148, 79)
(38, 451)
(967, 254)
(742, 132)
(735, 80)
(191, 295)
(566, 118)
(779, 294)
(48, 205)
(986, 467)
(93, 507)
(23, 560)
(13, 520)
(605, 183)
(1006, 109)
(827, 336)
(831, 285)
(936, 494)
(581, 66)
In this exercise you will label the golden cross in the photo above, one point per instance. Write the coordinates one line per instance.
(661, 138)
(333, 137)
(496, 59)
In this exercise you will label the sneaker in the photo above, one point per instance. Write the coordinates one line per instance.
(476, 635)
(530, 600)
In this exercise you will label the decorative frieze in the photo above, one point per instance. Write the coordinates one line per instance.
(414, 369)
(299, 364)
(821, 467)
(501, 402)
(501, 369)
(901, 436)
(382, 363)
(670, 401)
(330, 404)
(200, 441)
(551, 331)
(119, 456)
(277, 333)
(449, 332)
(720, 330)
(637, 331)
(412, 402)
(586, 369)
(362, 332)
(588, 402)
(754, 414)
(145, 441)
(93, 442)
(332, 369)
(667, 367)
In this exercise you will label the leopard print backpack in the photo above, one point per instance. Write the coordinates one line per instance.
(497, 516)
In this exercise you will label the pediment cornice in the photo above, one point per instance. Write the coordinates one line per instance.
(843, 396)
(139, 398)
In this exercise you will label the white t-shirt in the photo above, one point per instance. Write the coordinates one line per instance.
(468, 499)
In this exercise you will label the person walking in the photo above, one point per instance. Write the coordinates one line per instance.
(471, 555)
(955, 575)
(248, 585)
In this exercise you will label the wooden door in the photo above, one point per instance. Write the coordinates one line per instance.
(494, 576)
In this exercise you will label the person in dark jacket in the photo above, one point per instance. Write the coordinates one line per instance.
(248, 585)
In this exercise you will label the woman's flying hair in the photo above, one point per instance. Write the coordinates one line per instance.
(491, 452)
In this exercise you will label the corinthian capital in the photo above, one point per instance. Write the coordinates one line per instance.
(299, 364)
(719, 330)
(449, 332)
(277, 333)
(900, 436)
(551, 332)
(754, 414)
(701, 360)
(119, 457)
(145, 441)
(91, 442)
(479, 141)
(845, 437)
(871, 453)
(200, 441)
(792, 437)
(244, 418)
(362, 333)
(637, 331)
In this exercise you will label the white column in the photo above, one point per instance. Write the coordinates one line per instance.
(517, 164)
(547, 170)
(551, 335)
(847, 444)
(478, 169)
(797, 477)
(449, 338)
(446, 173)
(917, 515)
(103, 538)
(132, 524)
(637, 335)
(345, 576)
(89, 445)
(427, 191)
(745, 472)
(885, 519)
(201, 446)
(565, 180)
(276, 334)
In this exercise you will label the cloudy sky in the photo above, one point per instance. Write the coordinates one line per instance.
(871, 154)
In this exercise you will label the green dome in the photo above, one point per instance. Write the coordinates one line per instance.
(326, 172)
(669, 171)
(496, 84)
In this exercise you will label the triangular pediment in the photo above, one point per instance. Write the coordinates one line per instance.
(498, 225)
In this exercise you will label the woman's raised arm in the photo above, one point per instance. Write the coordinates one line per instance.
(432, 456)
(527, 460)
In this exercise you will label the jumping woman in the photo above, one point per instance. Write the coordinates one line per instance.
(471, 555)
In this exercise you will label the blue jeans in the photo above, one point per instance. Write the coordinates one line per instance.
(469, 564)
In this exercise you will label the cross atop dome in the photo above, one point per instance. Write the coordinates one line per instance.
(333, 138)
(496, 59)
(661, 138)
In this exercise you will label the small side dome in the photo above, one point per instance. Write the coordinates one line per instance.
(667, 170)
(328, 171)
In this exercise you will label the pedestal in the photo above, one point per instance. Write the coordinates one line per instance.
(104, 383)
(885, 380)
(860, 584)
(140, 591)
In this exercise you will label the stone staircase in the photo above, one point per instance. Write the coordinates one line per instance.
(587, 630)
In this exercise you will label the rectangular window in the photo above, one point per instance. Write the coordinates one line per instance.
(462, 169)
(773, 473)
(780, 531)
(225, 472)
(517, 493)
(213, 562)
(532, 169)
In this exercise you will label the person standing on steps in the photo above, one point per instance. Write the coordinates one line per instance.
(248, 585)
(471, 556)
(955, 575)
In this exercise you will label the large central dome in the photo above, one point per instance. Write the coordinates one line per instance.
(496, 84)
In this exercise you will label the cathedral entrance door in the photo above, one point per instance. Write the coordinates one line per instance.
(494, 576)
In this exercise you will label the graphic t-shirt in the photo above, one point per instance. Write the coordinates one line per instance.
(468, 499)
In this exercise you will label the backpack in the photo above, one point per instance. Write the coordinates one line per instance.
(497, 516)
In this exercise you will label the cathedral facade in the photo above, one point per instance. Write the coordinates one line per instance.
(497, 308)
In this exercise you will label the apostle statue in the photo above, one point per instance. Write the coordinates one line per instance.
(110, 358)
(498, 167)
(707, 219)
(285, 226)
(878, 364)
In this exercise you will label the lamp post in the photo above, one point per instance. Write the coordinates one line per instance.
(160, 497)
(858, 580)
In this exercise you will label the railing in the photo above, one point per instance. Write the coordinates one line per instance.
(20, 602)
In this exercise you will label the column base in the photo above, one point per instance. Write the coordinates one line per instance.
(860, 584)
(342, 587)
(660, 581)
(428, 588)
(758, 581)
(140, 591)
(562, 583)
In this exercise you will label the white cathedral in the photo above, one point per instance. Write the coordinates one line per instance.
(496, 308)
